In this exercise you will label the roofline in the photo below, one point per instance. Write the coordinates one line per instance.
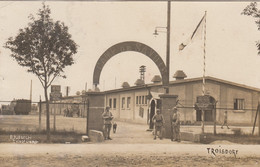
(184, 81)
(234, 84)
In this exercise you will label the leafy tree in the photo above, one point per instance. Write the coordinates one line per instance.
(45, 47)
(252, 10)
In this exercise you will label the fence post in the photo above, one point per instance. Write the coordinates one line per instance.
(40, 114)
(258, 119)
(54, 117)
(202, 121)
(87, 116)
(256, 113)
(214, 115)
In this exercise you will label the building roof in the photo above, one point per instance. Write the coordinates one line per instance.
(190, 80)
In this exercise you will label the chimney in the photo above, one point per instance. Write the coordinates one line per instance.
(157, 79)
(96, 89)
(125, 85)
(179, 75)
(139, 82)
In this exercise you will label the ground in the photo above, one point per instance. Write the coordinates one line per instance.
(132, 145)
(124, 155)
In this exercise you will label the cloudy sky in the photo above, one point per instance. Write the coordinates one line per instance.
(95, 26)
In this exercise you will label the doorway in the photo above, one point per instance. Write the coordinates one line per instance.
(208, 115)
(210, 105)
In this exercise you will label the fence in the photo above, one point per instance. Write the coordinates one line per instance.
(63, 116)
(72, 116)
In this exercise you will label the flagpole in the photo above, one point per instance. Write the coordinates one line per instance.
(204, 58)
(204, 70)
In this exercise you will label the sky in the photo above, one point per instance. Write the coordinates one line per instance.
(231, 52)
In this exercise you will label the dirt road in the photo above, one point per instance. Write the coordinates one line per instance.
(126, 155)
(132, 145)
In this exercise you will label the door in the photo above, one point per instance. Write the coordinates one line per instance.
(198, 115)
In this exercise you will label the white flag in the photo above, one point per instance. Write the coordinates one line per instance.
(197, 33)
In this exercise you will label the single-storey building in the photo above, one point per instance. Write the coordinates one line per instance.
(138, 103)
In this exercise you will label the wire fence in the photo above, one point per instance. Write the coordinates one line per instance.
(24, 115)
(72, 116)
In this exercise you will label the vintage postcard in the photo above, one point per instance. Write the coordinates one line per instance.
(129, 83)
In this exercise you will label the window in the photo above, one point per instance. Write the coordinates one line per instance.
(136, 100)
(239, 104)
(123, 103)
(128, 102)
(145, 99)
(142, 99)
(114, 104)
(110, 103)
(141, 112)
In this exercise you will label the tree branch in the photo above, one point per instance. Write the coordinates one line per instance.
(41, 80)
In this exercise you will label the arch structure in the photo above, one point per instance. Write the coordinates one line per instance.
(130, 46)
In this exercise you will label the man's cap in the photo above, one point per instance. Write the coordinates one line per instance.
(158, 110)
(107, 107)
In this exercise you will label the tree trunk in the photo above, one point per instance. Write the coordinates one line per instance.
(47, 114)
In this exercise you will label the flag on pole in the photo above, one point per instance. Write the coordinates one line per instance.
(197, 33)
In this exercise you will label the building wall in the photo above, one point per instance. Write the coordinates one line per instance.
(114, 108)
(187, 93)
(180, 90)
(141, 106)
(245, 115)
(134, 111)
(126, 112)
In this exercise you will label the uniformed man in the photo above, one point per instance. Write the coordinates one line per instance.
(158, 123)
(225, 120)
(175, 123)
(107, 117)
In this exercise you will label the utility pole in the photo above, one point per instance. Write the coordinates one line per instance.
(168, 45)
(168, 36)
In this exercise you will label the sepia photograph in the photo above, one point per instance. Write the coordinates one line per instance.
(129, 83)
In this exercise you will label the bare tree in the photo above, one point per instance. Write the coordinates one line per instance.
(252, 10)
(45, 47)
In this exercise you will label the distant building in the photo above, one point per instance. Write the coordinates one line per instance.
(17, 106)
(7, 109)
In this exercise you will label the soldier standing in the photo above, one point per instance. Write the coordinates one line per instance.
(158, 123)
(225, 120)
(175, 123)
(107, 117)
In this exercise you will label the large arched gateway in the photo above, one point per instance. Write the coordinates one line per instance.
(130, 46)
